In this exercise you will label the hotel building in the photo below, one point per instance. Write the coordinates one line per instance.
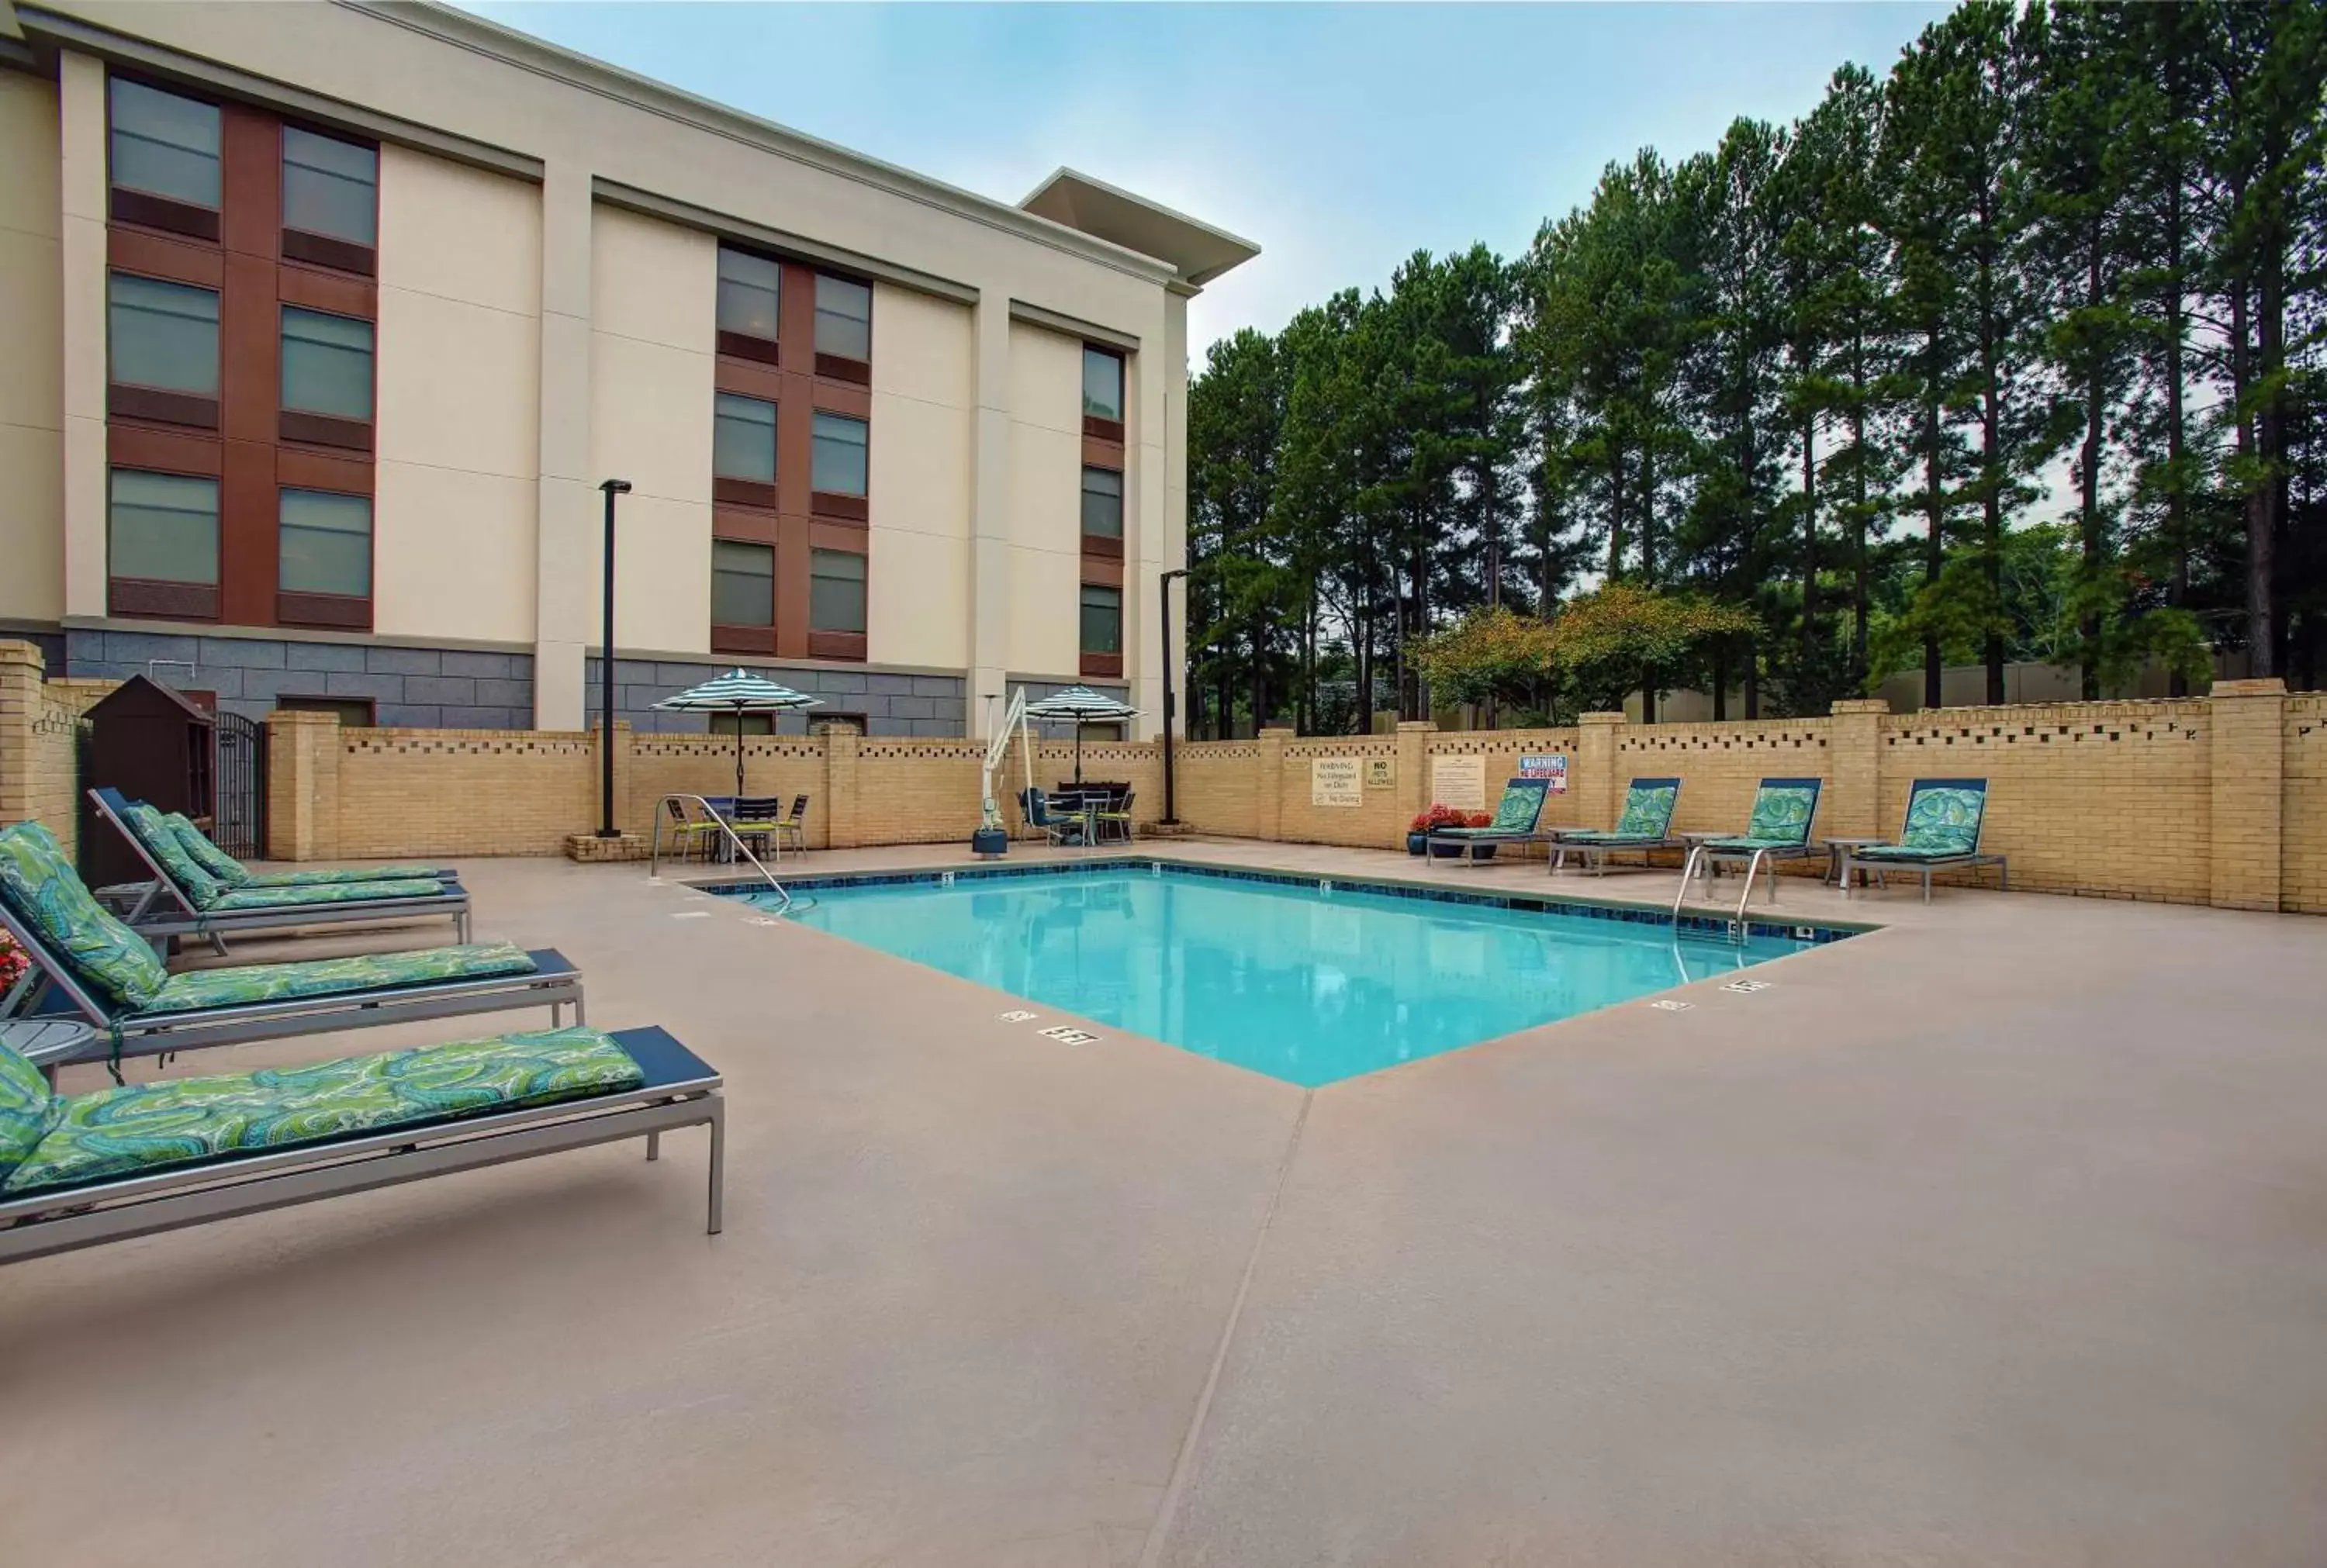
(326, 323)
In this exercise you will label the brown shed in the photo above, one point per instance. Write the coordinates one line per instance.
(153, 744)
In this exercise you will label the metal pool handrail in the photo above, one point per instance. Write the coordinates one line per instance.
(654, 852)
(1689, 871)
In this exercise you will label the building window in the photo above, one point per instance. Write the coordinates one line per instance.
(742, 583)
(326, 366)
(824, 723)
(1102, 503)
(354, 712)
(331, 192)
(837, 453)
(324, 543)
(1102, 619)
(163, 528)
(750, 290)
(844, 319)
(1102, 385)
(836, 591)
(743, 723)
(163, 336)
(743, 439)
(165, 145)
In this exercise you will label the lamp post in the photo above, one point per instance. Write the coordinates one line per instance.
(1163, 624)
(606, 828)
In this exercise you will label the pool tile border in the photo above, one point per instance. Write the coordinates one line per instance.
(1813, 933)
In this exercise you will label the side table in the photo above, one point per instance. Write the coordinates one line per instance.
(45, 1041)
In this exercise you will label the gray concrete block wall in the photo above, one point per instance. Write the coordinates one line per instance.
(448, 688)
(927, 706)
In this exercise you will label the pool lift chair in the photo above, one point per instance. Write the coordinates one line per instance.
(991, 841)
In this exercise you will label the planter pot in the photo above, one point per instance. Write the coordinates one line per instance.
(1415, 842)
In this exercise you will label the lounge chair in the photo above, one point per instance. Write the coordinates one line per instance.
(1644, 825)
(234, 874)
(185, 899)
(83, 1169)
(1516, 816)
(1778, 829)
(1944, 818)
(89, 962)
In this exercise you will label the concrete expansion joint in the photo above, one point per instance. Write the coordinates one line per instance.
(1160, 1532)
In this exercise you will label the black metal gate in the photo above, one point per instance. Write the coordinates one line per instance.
(238, 804)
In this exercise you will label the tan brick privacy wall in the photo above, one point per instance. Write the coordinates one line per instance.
(2111, 799)
(39, 764)
(2221, 799)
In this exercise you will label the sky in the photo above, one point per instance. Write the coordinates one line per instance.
(1339, 138)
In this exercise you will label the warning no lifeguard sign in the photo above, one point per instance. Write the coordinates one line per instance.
(1553, 767)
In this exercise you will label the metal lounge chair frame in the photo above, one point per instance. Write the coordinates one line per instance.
(681, 1091)
(1704, 856)
(1532, 833)
(452, 902)
(1859, 859)
(1594, 848)
(553, 983)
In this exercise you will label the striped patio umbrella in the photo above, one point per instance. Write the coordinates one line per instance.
(739, 691)
(1079, 705)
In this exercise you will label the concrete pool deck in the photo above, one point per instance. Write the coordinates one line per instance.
(1997, 1236)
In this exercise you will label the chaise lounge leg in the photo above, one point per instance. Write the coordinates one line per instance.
(718, 1165)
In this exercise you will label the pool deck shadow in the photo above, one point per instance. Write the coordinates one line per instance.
(1997, 1236)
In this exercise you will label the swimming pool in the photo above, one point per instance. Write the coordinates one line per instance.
(1305, 981)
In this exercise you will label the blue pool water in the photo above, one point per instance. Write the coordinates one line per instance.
(1307, 985)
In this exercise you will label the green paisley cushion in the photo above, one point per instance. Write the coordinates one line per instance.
(1515, 812)
(153, 831)
(208, 855)
(1905, 852)
(257, 896)
(26, 1108)
(1944, 819)
(151, 1126)
(1648, 811)
(1749, 843)
(1782, 814)
(250, 983)
(234, 874)
(40, 887)
(1595, 838)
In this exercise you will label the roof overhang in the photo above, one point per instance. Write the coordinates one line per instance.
(1196, 250)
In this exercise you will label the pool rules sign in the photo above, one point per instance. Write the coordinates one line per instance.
(1334, 781)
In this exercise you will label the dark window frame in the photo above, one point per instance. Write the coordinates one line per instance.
(154, 208)
(1095, 424)
(854, 367)
(300, 703)
(160, 404)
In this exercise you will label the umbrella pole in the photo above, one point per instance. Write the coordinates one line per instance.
(739, 753)
(1079, 753)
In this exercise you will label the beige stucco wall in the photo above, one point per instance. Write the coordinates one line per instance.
(653, 309)
(924, 394)
(32, 364)
(460, 356)
(1045, 513)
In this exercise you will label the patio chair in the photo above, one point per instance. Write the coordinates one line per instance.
(83, 1169)
(1114, 819)
(1778, 829)
(1944, 821)
(86, 961)
(1059, 830)
(206, 907)
(1644, 825)
(1516, 816)
(756, 819)
(694, 837)
(793, 830)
